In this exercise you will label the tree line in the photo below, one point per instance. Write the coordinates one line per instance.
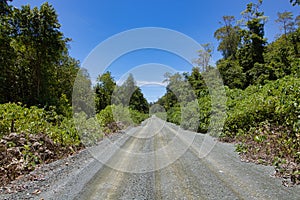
(127, 94)
(261, 82)
(36, 68)
(248, 58)
(36, 91)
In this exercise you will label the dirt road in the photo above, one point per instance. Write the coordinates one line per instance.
(158, 160)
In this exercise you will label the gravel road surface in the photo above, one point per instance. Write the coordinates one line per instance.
(156, 160)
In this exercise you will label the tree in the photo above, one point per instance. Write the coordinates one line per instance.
(179, 89)
(128, 94)
(204, 56)
(232, 73)
(104, 89)
(4, 7)
(253, 41)
(43, 45)
(123, 93)
(138, 101)
(197, 82)
(82, 98)
(39, 45)
(62, 79)
(286, 18)
(34, 62)
(289, 28)
(229, 37)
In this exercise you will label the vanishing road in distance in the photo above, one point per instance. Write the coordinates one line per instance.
(158, 160)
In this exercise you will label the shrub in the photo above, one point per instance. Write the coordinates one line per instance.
(118, 113)
(278, 102)
(33, 120)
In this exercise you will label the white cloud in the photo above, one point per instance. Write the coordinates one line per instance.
(145, 83)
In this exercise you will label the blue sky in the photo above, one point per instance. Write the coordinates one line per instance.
(91, 22)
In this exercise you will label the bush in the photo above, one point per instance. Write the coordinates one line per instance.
(190, 116)
(33, 120)
(31, 136)
(119, 114)
(137, 117)
(204, 113)
(266, 122)
(278, 102)
(174, 115)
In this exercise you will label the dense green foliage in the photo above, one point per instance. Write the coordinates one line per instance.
(38, 72)
(34, 120)
(37, 83)
(129, 94)
(277, 102)
(124, 104)
(104, 89)
(35, 66)
(262, 83)
(118, 113)
(229, 37)
(266, 122)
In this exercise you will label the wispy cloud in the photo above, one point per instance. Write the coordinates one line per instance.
(145, 83)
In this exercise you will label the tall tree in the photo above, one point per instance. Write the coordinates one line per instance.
(123, 92)
(7, 54)
(179, 89)
(34, 58)
(289, 27)
(286, 19)
(83, 95)
(104, 89)
(197, 82)
(295, 36)
(229, 37)
(232, 73)
(4, 7)
(204, 56)
(43, 44)
(138, 101)
(129, 94)
(253, 41)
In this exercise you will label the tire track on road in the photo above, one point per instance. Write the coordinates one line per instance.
(178, 187)
(106, 183)
(243, 187)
